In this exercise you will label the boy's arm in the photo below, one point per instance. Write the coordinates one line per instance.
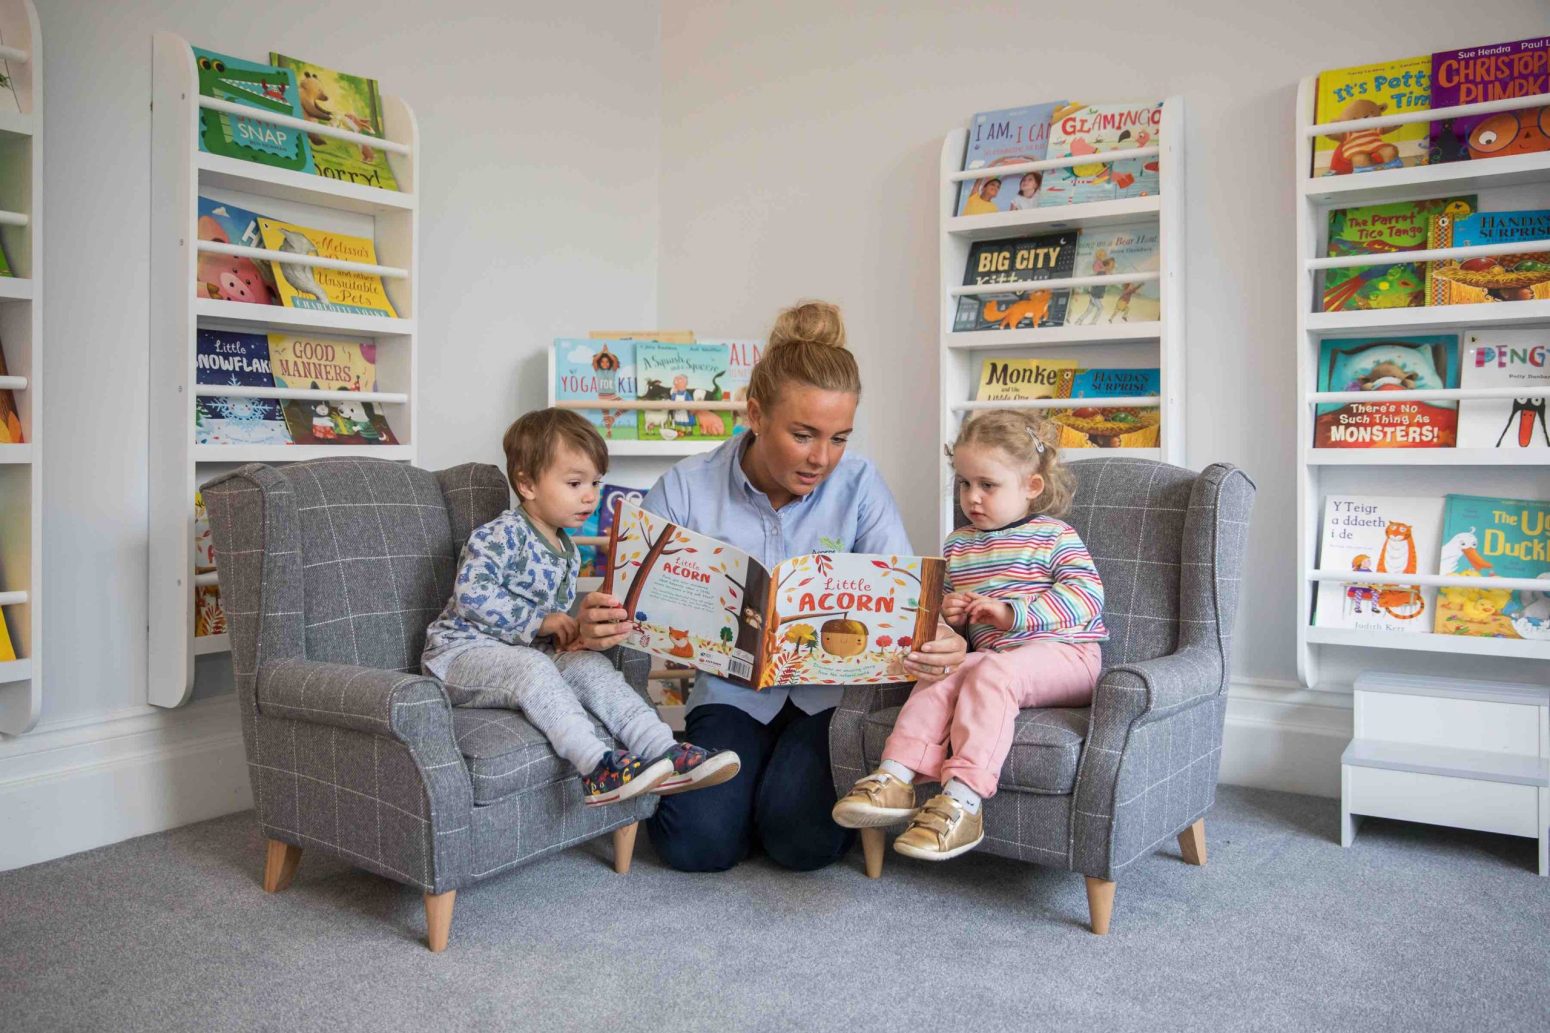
(497, 590)
(1075, 598)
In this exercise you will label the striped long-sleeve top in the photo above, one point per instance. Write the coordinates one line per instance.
(1042, 568)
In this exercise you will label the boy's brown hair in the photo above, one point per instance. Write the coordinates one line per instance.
(533, 441)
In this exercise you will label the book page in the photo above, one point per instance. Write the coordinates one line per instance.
(688, 593)
(848, 618)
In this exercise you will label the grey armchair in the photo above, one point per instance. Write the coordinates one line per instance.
(1093, 789)
(330, 571)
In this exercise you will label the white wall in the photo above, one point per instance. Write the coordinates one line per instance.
(540, 133)
(800, 154)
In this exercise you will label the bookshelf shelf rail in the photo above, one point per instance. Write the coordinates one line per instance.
(1484, 107)
(13, 219)
(14, 598)
(1429, 255)
(14, 54)
(1430, 394)
(1508, 584)
(1060, 403)
(300, 394)
(1140, 276)
(1045, 165)
(13, 383)
(302, 125)
(259, 254)
(653, 406)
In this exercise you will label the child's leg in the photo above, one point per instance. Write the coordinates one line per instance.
(919, 737)
(1044, 673)
(600, 688)
(520, 678)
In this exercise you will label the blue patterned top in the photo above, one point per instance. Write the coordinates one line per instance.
(509, 579)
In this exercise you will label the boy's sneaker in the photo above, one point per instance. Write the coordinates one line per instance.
(878, 799)
(622, 775)
(696, 768)
(943, 829)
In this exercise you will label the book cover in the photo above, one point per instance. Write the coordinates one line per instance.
(322, 363)
(600, 525)
(10, 419)
(237, 360)
(337, 423)
(1077, 130)
(1388, 367)
(1006, 137)
(1007, 380)
(827, 618)
(1377, 534)
(225, 277)
(204, 542)
(1491, 538)
(1368, 91)
(209, 618)
(7, 648)
(682, 373)
(1517, 359)
(1125, 426)
(262, 87)
(9, 101)
(1521, 276)
(598, 369)
(1110, 251)
(1381, 229)
(1493, 72)
(325, 290)
(341, 101)
(5, 265)
(1049, 256)
(742, 356)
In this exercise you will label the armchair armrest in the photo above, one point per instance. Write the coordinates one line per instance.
(1148, 690)
(406, 707)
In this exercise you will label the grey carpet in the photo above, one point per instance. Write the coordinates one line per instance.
(1414, 928)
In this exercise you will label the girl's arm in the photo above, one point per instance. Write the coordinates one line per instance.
(1074, 600)
(496, 590)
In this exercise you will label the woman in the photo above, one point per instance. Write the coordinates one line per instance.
(785, 488)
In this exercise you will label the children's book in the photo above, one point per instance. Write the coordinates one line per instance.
(1006, 137)
(236, 360)
(1492, 538)
(204, 542)
(742, 356)
(1492, 72)
(209, 617)
(1513, 277)
(821, 619)
(7, 649)
(1083, 426)
(1382, 229)
(682, 373)
(600, 524)
(9, 101)
(1374, 534)
(10, 419)
(329, 364)
(1051, 256)
(341, 101)
(224, 277)
(325, 290)
(262, 87)
(1008, 380)
(1368, 91)
(1518, 359)
(1109, 251)
(1077, 130)
(1388, 367)
(598, 369)
(5, 265)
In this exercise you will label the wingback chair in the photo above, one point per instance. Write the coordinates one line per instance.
(330, 571)
(1093, 789)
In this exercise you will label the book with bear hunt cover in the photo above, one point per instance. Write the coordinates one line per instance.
(819, 619)
(1486, 538)
(1049, 256)
(262, 87)
(1368, 91)
(342, 101)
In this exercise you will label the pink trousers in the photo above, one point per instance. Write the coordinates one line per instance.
(972, 709)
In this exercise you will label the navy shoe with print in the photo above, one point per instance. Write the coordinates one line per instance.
(696, 768)
(622, 775)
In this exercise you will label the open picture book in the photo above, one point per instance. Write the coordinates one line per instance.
(821, 619)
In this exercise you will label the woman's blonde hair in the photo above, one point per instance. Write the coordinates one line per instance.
(1030, 440)
(807, 346)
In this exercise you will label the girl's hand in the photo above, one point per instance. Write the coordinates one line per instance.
(561, 627)
(938, 658)
(955, 608)
(603, 622)
(998, 614)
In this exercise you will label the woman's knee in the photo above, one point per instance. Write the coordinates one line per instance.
(691, 840)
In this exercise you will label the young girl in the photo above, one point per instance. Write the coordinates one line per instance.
(506, 637)
(1025, 586)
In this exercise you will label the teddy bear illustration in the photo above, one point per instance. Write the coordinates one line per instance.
(1361, 149)
(314, 101)
(1387, 376)
(681, 644)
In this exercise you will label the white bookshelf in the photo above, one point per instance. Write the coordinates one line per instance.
(1157, 343)
(1468, 750)
(180, 174)
(21, 336)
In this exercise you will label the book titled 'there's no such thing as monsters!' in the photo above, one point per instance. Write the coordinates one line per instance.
(822, 619)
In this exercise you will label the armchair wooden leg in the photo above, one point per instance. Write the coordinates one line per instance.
(1100, 903)
(438, 919)
(1192, 843)
(872, 843)
(624, 847)
(280, 865)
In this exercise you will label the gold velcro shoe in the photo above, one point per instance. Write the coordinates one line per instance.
(878, 799)
(942, 829)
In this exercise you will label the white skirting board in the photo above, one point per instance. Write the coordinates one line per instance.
(75, 786)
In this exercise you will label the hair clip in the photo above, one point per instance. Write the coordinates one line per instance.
(1038, 442)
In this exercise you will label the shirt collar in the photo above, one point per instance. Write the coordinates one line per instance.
(570, 546)
(1007, 527)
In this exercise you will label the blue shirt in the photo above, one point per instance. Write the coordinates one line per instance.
(851, 510)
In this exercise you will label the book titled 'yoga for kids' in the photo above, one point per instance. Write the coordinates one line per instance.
(820, 619)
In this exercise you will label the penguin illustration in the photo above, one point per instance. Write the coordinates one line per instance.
(1525, 413)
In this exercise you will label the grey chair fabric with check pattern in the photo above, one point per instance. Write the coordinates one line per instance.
(330, 571)
(1094, 789)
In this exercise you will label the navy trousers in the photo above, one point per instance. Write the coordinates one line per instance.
(781, 798)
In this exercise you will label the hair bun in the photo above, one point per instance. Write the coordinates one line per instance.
(815, 322)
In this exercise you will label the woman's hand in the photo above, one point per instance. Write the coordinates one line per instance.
(955, 608)
(938, 658)
(562, 628)
(603, 622)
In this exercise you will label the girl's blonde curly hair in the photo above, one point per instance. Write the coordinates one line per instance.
(1030, 441)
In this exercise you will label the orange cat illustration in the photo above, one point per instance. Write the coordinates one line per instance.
(1032, 308)
(681, 643)
(1403, 602)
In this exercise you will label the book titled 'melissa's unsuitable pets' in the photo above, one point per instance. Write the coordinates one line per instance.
(821, 619)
